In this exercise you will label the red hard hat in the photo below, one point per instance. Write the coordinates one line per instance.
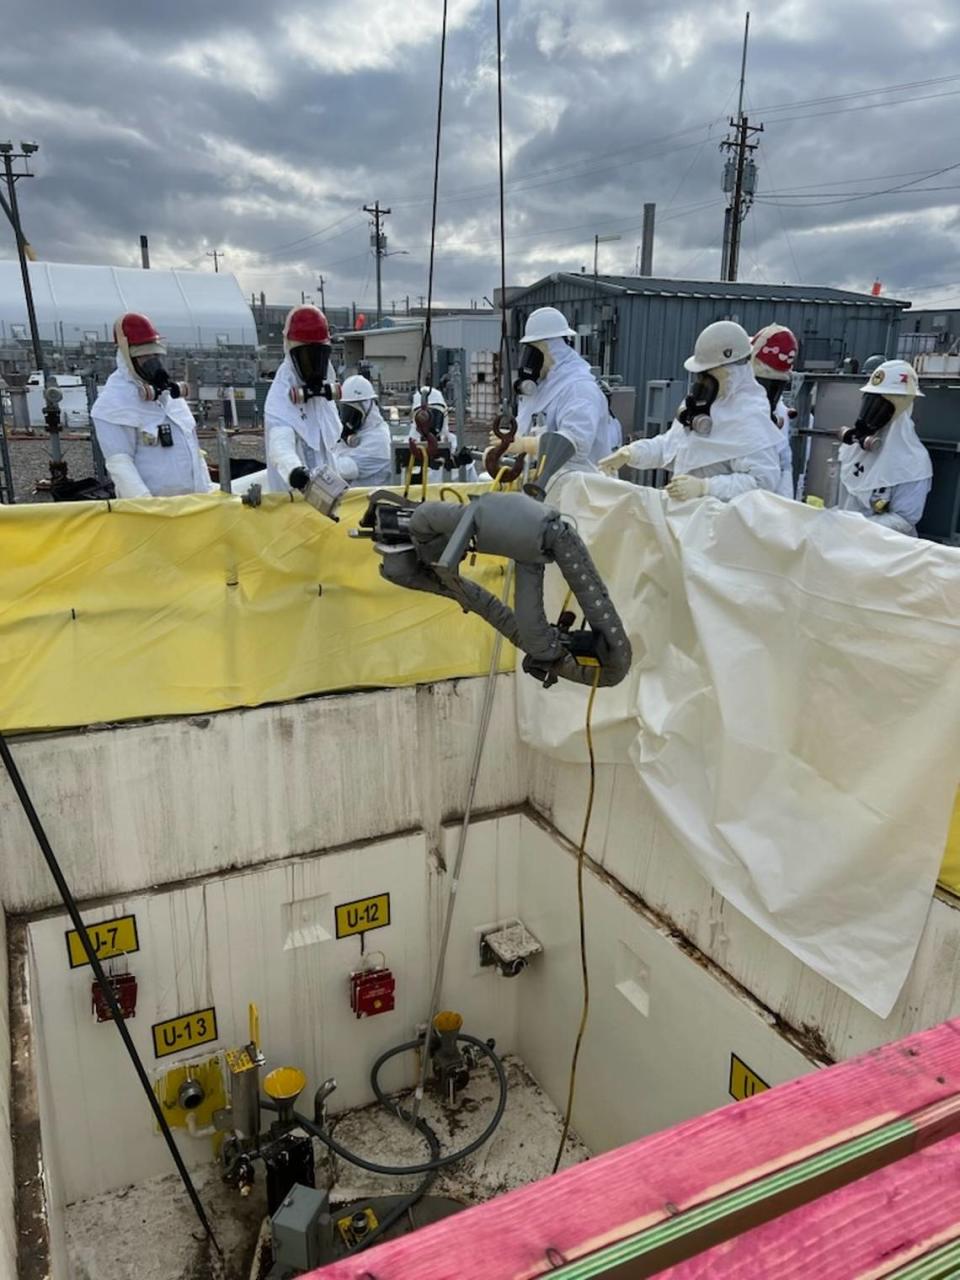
(135, 330)
(774, 352)
(305, 324)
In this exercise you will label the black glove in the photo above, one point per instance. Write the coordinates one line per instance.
(299, 478)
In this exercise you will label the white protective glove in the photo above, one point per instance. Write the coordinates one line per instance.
(614, 461)
(681, 488)
(520, 444)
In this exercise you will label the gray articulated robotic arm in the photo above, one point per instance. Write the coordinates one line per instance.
(423, 545)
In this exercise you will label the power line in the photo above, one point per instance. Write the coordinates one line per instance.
(857, 93)
(872, 195)
(869, 106)
(354, 213)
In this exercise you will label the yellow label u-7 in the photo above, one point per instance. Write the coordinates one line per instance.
(110, 938)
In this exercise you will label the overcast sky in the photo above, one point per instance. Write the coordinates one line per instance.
(261, 129)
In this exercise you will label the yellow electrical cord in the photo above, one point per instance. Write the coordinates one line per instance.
(581, 855)
(447, 488)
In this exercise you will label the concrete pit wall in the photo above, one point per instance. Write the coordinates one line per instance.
(662, 1028)
(634, 846)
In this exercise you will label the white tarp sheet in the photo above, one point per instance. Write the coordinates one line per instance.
(793, 710)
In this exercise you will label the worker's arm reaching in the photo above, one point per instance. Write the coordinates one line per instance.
(760, 470)
(645, 455)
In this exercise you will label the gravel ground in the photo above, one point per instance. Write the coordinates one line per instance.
(30, 457)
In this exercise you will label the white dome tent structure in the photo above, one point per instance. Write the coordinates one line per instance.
(77, 304)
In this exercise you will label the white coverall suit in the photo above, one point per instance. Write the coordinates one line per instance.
(890, 485)
(567, 400)
(299, 435)
(741, 452)
(128, 433)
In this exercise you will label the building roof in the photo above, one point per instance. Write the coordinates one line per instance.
(653, 286)
(188, 308)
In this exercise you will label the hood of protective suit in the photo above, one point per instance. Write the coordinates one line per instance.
(317, 422)
(567, 369)
(900, 459)
(120, 402)
(741, 426)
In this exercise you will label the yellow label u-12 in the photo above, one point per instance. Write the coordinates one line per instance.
(363, 914)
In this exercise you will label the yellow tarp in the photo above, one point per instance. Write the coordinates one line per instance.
(158, 608)
(147, 608)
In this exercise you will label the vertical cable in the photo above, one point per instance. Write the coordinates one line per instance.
(505, 375)
(427, 342)
(581, 856)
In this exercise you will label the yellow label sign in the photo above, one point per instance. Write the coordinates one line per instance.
(180, 1035)
(363, 914)
(744, 1083)
(109, 937)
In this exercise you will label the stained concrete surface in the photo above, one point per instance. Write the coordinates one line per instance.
(150, 1231)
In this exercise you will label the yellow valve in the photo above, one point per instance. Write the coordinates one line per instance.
(254, 1015)
(284, 1084)
(447, 1021)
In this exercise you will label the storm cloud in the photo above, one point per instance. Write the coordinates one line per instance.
(262, 130)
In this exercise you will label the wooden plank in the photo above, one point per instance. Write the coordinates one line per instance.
(532, 1231)
(873, 1228)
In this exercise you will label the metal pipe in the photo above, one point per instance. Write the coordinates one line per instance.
(481, 739)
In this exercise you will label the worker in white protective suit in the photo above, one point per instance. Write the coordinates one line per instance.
(722, 442)
(885, 472)
(774, 355)
(146, 432)
(430, 429)
(365, 437)
(301, 424)
(557, 392)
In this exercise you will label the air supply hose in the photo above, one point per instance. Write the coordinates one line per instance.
(437, 1162)
(429, 1168)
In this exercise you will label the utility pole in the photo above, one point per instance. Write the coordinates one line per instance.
(323, 300)
(378, 240)
(216, 255)
(12, 210)
(739, 175)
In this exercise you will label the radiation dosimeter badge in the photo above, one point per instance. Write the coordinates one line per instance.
(325, 491)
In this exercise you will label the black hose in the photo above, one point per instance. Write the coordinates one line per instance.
(103, 982)
(437, 1162)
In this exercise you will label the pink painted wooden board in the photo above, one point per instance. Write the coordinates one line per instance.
(867, 1229)
(637, 1186)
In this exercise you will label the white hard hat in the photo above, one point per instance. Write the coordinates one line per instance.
(546, 322)
(357, 388)
(433, 397)
(893, 378)
(723, 342)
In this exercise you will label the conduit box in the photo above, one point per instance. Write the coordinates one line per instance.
(125, 991)
(372, 991)
(510, 948)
